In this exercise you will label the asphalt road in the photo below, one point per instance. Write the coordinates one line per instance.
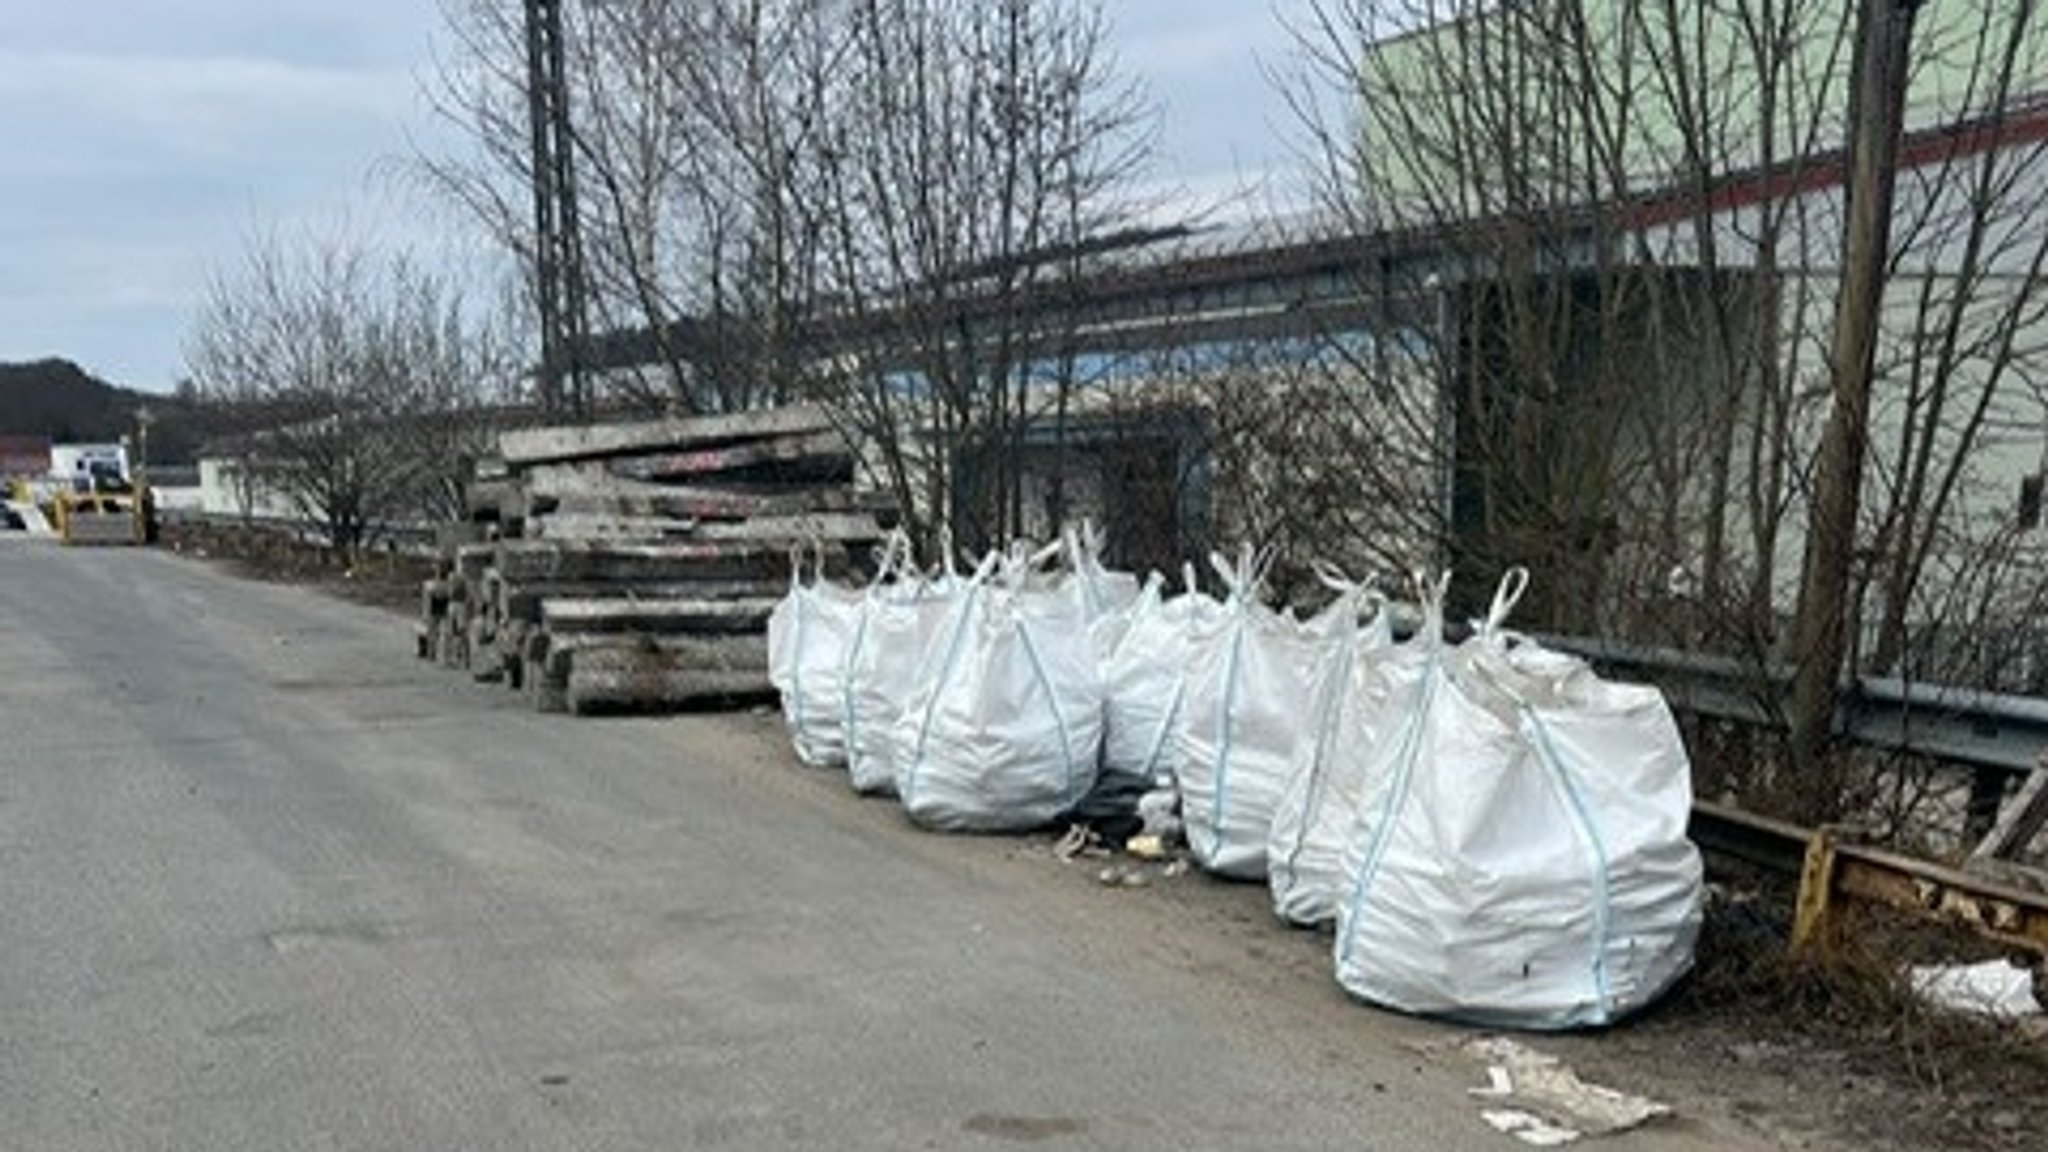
(270, 884)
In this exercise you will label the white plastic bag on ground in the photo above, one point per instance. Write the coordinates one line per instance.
(1248, 675)
(1005, 729)
(808, 635)
(1346, 715)
(1525, 863)
(898, 613)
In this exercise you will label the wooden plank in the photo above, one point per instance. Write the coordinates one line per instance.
(525, 561)
(521, 602)
(601, 691)
(511, 648)
(485, 665)
(597, 526)
(528, 446)
(836, 527)
(433, 598)
(454, 645)
(620, 679)
(734, 502)
(2020, 821)
(822, 455)
(545, 695)
(738, 652)
(472, 559)
(831, 526)
(543, 482)
(485, 500)
(664, 617)
(449, 537)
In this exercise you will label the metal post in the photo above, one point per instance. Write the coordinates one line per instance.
(1884, 37)
(558, 245)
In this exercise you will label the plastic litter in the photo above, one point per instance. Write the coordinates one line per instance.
(1994, 988)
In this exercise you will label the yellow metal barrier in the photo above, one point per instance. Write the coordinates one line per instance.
(100, 518)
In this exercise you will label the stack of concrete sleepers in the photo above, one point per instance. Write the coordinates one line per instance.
(632, 566)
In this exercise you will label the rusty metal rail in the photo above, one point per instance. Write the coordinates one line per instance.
(1831, 870)
(1732, 834)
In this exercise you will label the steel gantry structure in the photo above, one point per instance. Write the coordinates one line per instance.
(558, 243)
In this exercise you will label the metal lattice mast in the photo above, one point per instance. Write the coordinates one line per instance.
(558, 242)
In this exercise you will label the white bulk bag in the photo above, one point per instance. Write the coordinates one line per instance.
(898, 613)
(808, 635)
(1105, 596)
(1143, 679)
(1005, 729)
(1248, 674)
(1348, 695)
(1526, 863)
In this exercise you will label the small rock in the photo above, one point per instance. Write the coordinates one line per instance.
(555, 1079)
(1136, 879)
(2006, 1120)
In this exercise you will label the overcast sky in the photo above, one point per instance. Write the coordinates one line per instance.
(146, 141)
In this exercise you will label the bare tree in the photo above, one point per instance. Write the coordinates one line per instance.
(974, 153)
(1634, 216)
(864, 201)
(357, 381)
(688, 117)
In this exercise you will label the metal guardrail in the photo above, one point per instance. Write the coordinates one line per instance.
(1995, 733)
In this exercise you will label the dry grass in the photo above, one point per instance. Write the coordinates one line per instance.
(1845, 1032)
(384, 579)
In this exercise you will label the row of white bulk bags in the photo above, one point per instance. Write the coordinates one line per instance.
(1499, 834)
(845, 659)
(957, 686)
(1519, 854)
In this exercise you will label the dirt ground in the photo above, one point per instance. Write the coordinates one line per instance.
(1816, 1059)
(1810, 1059)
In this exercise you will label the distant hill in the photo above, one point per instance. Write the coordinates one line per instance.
(58, 399)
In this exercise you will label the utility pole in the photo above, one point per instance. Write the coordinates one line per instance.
(558, 241)
(1884, 33)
